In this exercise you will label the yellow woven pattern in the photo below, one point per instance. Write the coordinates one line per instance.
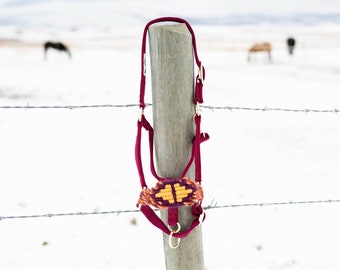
(183, 192)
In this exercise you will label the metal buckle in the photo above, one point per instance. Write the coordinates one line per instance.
(171, 236)
(201, 217)
(200, 74)
(141, 114)
(197, 109)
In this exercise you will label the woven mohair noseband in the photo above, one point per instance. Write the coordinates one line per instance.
(171, 193)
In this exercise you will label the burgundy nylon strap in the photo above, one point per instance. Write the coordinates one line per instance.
(172, 216)
(199, 79)
(142, 123)
(157, 222)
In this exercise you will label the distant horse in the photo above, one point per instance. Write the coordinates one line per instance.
(260, 47)
(291, 44)
(56, 45)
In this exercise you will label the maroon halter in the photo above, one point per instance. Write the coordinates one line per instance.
(197, 210)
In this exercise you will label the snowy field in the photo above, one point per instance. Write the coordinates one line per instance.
(82, 160)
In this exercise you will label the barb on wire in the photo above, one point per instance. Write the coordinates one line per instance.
(267, 109)
(213, 205)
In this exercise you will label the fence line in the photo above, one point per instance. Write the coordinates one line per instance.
(267, 109)
(212, 205)
(229, 108)
(71, 107)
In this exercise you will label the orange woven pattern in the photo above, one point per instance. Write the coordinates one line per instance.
(172, 193)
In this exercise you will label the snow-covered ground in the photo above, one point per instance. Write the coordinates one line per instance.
(82, 160)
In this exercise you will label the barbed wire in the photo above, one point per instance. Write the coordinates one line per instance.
(229, 108)
(117, 212)
(212, 205)
(71, 107)
(267, 109)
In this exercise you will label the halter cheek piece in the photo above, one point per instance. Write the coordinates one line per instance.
(171, 193)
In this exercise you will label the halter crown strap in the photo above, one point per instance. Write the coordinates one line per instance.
(198, 98)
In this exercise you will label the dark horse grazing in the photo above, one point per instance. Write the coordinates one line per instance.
(56, 45)
(291, 45)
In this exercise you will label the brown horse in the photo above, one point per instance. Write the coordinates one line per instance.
(57, 46)
(260, 47)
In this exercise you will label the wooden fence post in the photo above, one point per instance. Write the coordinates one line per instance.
(172, 72)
